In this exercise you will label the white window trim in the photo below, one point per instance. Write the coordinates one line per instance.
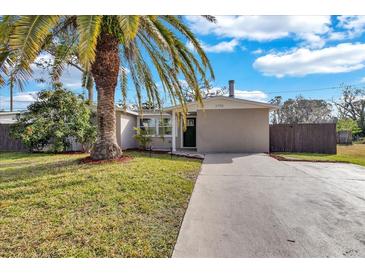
(157, 126)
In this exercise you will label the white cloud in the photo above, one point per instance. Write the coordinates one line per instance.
(355, 25)
(217, 48)
(71, 77)
(22, 97)
(312, 40)
(265, 28)
(362, 80)
(21, 100)
(344, 57)
(258, 51)
(26, 97)
(253, 95)
(348, 27)
(337, 35)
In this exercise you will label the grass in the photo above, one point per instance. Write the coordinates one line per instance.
(52, 206)
(354, 154)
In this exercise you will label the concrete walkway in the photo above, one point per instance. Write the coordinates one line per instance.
(255, 206)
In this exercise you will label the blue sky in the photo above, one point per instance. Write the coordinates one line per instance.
(268, 56)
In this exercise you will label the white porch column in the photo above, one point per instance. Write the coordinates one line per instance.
(173, 131)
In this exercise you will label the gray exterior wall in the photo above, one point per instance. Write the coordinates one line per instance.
(125, 132)
(233, 130)
(161, 143)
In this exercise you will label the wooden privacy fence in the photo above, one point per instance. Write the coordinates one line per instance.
(315, 138)
(6, 142)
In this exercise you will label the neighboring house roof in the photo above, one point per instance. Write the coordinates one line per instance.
(231, 103)
(8, 117)
(126, 111)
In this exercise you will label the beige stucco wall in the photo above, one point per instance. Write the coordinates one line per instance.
(233, 130)
(125, 130)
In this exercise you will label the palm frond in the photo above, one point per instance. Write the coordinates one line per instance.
(89, 27)
(129, 25)
(183, 29)
(123, 86)
(28, 37)
(210, 18)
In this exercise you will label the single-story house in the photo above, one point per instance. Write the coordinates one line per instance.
(223, 124)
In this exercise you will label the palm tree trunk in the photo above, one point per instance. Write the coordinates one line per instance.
(105, 72)
(90, 88)
(11, 94)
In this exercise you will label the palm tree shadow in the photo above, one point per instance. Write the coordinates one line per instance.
(21, 181)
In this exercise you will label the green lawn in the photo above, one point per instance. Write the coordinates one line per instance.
(52, 206)
(354, 154)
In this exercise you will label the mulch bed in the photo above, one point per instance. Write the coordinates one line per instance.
(149, 151)
(89, 160)
(72, 152)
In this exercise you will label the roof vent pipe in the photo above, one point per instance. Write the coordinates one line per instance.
(231, 88)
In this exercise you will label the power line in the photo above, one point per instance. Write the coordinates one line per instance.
(313, 89)
(302, 90)
(299, 91)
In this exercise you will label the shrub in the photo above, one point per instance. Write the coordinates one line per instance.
(53, 120)
(142, 137)
(348, 125)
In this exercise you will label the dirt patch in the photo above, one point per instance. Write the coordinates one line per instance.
(89, 160)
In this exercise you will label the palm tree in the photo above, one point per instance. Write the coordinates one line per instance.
(112, 47)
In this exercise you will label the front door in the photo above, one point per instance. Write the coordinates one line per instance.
(189, 139)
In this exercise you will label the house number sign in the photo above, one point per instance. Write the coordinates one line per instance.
(219, 106)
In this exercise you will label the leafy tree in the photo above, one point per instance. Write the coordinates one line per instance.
(53, 119)
(147, 105)
(275, 115)
(348, 125)
(108, 46)
(352, 105)
(301, 110)
(206, 91)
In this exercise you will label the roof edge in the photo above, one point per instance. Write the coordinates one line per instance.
(127, 111)
(268, 105)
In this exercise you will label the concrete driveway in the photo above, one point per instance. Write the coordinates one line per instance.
(255, 206)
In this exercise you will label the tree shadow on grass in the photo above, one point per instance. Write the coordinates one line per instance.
(21, 181)
(23, 172)
(24, 193)
(20, 155)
